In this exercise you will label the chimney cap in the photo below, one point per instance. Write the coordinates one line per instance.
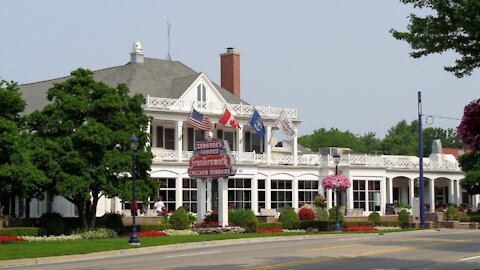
(230, 49)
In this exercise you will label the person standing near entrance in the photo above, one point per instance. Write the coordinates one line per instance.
(159, 205)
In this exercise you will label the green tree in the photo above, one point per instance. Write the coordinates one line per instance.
(452, 25)
(402, 139)
(448, 137)
(333, 138)
(18, 175)
(83, 142)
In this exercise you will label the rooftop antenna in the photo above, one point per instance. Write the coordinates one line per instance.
(168, 58)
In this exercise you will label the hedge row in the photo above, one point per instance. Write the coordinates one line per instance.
(270, 225)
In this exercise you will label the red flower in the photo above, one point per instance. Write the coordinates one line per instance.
(306, 214)
(360, 228)
(151, 233)
(11, 239)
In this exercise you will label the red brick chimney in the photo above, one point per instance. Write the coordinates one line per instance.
(230, 71)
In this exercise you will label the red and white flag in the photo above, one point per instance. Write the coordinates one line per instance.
(228, 119)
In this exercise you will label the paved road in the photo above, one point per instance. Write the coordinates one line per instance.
(445, 249)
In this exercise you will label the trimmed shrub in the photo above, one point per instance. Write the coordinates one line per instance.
(244, 218)
(53, 223)
(320, 201)
(179, 219)
(374, 217)
(321, 214)
(357, 223)
(114, 222)
(452, 213)
(315, 224)
(23, 231)
(269, 225)
(288, 217)
(403, 217)
(306, 214)
(332, 212)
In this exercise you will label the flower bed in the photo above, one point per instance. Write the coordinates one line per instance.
(359, 229)
(270, 231)
(4, 239)
(151, 233)
(212, 224)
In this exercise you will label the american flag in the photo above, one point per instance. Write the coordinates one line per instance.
(200, 121)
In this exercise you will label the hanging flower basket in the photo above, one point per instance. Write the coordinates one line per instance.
(336, 182)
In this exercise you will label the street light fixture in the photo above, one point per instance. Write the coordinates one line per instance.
(134, 240)
(337, 228)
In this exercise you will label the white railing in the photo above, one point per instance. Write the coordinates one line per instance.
(182, 105)
(388, 162)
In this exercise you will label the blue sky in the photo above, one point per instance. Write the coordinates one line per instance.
(334, 61)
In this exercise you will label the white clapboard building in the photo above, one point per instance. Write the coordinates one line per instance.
(270, 174)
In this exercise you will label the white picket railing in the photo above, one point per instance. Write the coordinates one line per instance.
(182, 105)
(389, 162)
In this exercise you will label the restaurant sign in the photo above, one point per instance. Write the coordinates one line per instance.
(212, 159)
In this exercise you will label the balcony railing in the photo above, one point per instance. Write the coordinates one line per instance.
(388, 162)
(182, 105)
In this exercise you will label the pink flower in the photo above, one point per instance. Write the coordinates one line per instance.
(336, 182)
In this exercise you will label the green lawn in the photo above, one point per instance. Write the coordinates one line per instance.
(20, 250)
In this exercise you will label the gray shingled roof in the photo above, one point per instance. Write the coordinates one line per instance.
(154, 77)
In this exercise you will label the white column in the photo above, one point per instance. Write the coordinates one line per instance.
(295, 193)
(411, 185)
(201, 198)
(269, 147)
(179, 136)
(458, 198)
(268, 193)
(451, 192)
(390, 190)
(254, 194)
(240, 140)
(329, 198)
(185, 137)
(295, 148)
(178, 192)
(383, 195)
(149, 124)
(209, 196)
(431, 187)
(222, 202)
(349, 192)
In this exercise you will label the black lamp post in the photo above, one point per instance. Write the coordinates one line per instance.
(134, 240)
(337, 228)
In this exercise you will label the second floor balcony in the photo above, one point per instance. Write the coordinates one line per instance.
(352, 160)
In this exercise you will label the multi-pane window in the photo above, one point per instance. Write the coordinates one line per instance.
(281, 193)
(193, 137)
(165, 138)
(359, 189)
(261, 194)
(189, 194)
(228, 136)
(239, 193)
(307, 190)
(373, 195)
(253, 142)
(167, 191)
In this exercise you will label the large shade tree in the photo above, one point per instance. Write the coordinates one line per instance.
(18, 174)
(450, 25)
(469, 133)
(83, 137)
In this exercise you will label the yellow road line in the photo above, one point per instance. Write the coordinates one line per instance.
(352, 255)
